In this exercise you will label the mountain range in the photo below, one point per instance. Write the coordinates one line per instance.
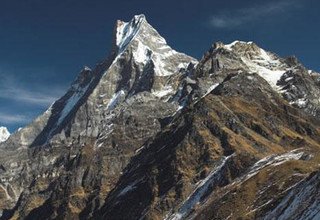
(152, 133)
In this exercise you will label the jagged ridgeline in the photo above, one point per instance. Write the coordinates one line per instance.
(151, 133)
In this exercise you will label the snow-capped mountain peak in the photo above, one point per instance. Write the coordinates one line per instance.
(257, 60)
(126, 31)
(148, 45)
(138, 63)
(4, 134)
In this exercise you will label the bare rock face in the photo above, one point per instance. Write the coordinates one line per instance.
(151, 133)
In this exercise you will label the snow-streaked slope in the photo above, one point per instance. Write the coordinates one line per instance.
(273, 160)
(4, 134)
(202, 188)
(302, 201)
(200, 191)
(72, 101)
(259, 61)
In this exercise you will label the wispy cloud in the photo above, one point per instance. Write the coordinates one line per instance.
(42, 95)
(30, 97)
(13, 118)
(242, 16)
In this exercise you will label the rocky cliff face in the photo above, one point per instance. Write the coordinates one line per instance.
(151, 133)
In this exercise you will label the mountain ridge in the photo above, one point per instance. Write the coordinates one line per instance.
(163, 136)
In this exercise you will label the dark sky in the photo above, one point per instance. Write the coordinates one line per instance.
(44, 44)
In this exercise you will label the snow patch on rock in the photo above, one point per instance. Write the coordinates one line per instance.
(4, 134)
(163, 92)
(231, 45)
(301, 103)
(116, 98)
(129, 188)
(142, 54)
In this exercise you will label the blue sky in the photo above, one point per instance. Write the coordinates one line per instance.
(44, 44)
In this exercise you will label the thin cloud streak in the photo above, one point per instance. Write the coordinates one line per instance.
(12, 90)
(13, 118)
(242, 16)
(28, 97)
